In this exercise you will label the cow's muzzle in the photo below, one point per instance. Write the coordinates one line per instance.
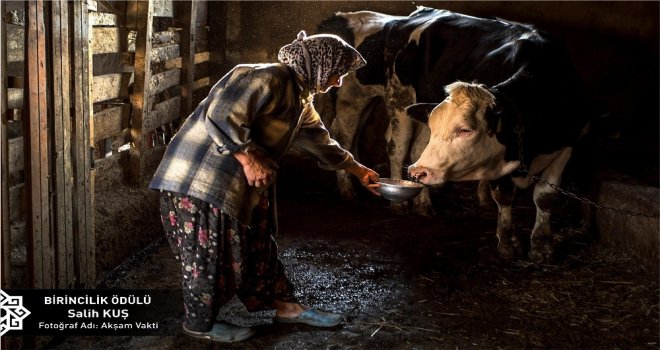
(425, 175)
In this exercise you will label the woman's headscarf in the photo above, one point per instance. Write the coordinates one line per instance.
(317, 57)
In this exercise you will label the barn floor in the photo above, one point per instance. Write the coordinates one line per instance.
(424, 283)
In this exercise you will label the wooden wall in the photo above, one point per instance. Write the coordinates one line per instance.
(46, 169)
(109, 84)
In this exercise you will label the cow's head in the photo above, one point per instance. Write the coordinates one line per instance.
(463, 145)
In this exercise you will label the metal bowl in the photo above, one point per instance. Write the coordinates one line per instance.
(398, 190)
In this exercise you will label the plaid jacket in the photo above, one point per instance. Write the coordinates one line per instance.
(253, 106)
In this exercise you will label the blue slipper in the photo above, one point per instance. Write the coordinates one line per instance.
(222, 332)
(313, 317)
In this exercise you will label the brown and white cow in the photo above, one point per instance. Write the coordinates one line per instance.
(502, 134)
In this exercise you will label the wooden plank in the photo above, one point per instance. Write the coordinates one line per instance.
(14, 98)
(111, 121)
(188, 17)
(106, 39)
(163, 81)
(164, 53)
(15, 43)
(40, 252)
(91, 5)
(84, 234)
(140, 13)
(164, 37)
(5, 274)
(103, 19)
(110, 86)
(202, 57)
(15, 154)
(163, 113)
(201, 83)
(162, 8)
(63, 162)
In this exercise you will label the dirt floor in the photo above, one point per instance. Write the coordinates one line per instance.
(406, 282)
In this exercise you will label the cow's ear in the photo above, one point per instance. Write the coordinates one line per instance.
(420, 111)
(493, 118)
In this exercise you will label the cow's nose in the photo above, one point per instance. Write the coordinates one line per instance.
(417, 172)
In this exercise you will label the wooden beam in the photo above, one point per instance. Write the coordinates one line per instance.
(164, 53)
(162, 8)
(40, 248)
(140, 14)
(163, 81)
(111, 121)
(110, 86)
(188, 10)
(103, 19)
(4, 165)
(62, 162)
(14, 98)
(164, 112)
(84, 234)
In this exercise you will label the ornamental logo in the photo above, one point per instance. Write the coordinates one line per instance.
(13, 313)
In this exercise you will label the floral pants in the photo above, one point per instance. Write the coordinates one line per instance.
(220, 258)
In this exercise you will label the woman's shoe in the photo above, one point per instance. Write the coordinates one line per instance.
(222, 332)
(313, 317)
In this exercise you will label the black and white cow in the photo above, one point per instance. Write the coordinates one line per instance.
(412, 58)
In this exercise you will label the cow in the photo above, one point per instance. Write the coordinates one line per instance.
(516, 133)
(410, 59)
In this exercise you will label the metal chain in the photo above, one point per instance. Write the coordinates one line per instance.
(519, 130)
(590, 202)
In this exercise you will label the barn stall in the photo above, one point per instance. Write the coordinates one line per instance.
(94, 90)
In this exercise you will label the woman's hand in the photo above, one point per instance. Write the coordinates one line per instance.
(367, 177)
(259, 169)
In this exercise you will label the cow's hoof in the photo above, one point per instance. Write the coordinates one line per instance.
(542, 253)
(509, 250)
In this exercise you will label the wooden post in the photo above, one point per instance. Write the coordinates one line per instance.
(140, 15)
(188, 18)
(4, 160)
(84, 234)
(40, 245)
(62, 162)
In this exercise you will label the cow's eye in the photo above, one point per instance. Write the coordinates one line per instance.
(464, 131)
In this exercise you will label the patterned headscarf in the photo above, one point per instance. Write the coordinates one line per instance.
(315, 58)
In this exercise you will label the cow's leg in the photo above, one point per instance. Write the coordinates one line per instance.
(542, 245)
(482, 193)
(352, 98)
(422, 204)
(508, 245)
(399, 131)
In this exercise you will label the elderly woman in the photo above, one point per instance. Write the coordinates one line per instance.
(217, 177)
